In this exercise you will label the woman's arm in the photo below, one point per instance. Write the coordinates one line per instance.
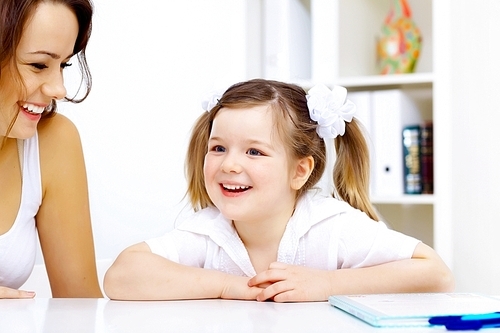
(424, 272)
(63, 220)
(139, 274)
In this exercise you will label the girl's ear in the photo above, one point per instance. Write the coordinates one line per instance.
(302, 171)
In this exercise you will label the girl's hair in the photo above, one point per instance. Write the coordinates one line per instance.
(14, 15)
(298, 132)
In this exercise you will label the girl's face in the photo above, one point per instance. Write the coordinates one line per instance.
(247, 171)
(43, 52)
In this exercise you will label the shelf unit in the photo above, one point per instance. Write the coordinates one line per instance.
(342, 51)
(411, 214)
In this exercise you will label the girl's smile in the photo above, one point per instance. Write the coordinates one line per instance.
(234, 190)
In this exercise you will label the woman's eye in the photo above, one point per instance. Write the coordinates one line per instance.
(65, 64)
(254, 152)
(39, 66)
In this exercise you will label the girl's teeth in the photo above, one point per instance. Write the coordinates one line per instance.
(235, 187)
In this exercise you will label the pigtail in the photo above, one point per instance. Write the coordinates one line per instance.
(195, 158)
(351, 173)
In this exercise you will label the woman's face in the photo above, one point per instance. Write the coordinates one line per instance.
(43, 52)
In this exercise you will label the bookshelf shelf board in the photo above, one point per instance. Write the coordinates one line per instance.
(412, 199)
(370, 82)
(383, 81)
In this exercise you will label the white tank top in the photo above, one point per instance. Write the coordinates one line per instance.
(18, 245)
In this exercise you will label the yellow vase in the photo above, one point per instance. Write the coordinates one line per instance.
(398, 48)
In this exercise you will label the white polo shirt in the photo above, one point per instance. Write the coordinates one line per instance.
(323, 233)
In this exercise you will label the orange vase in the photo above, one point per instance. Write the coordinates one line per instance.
(398, 48)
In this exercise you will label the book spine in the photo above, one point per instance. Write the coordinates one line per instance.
(411, 160)
(427, 158)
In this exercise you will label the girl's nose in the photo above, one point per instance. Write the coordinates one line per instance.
(54, 86)
(230, 164)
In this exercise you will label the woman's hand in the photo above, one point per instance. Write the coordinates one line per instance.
(14, 293)
(291, 283)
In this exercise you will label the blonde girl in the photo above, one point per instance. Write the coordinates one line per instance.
(261, 229)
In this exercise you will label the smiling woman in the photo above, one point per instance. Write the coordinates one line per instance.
(42, 170)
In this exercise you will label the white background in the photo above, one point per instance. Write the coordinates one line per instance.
(152, 61)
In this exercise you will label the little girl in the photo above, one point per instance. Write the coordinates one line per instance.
(261, 230)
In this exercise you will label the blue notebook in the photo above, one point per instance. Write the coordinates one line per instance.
(404, 310)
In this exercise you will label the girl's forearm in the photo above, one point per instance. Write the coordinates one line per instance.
(138, 275)
(422, 273)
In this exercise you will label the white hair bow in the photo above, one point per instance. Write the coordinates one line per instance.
(212, 99)
(330, 109)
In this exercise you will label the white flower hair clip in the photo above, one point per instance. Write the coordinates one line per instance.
(211, 99)
(330, 109)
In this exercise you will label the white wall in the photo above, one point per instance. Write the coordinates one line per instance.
(151, 61)
(474, 110)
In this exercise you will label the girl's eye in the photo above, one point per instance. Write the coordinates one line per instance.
(254, 152)
(219, 149)
(65, 64)
(39, 66)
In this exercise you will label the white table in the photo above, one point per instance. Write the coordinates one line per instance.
(103, 315)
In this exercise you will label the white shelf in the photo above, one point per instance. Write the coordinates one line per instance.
(415, 199)
(376, 81)
(343, 52)
(381, 81)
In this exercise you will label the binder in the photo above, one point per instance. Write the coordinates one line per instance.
(287, 40)
(362, 100)
(413, 309)
(391, 111)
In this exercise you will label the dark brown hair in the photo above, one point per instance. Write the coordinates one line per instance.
(298, 132)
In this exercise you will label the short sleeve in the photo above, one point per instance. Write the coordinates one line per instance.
(364, 242)
(180, 246)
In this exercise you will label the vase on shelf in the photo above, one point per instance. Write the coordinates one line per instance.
(398, 46)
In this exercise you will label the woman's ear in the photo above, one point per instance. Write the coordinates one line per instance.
(302, 171)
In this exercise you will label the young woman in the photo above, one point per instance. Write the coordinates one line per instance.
(42, 172)
(261, 230)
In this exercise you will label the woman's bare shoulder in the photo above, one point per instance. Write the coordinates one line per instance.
(58, 127)
(60, 147)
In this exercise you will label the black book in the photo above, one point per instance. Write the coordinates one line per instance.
(411, 160)
(426, 158)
